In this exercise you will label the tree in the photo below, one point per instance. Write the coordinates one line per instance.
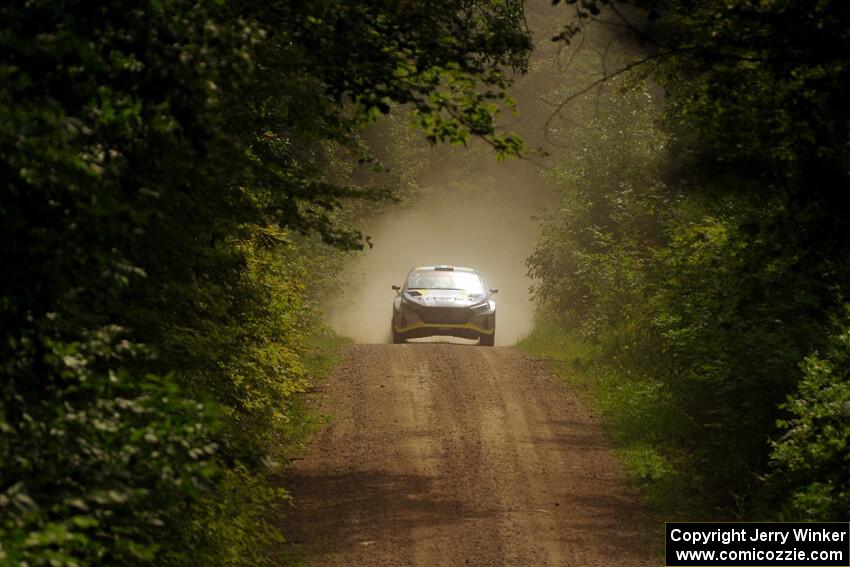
(155, 160)
(750, 263)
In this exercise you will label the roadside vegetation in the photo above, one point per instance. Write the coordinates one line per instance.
(695, 274)
(173, 181)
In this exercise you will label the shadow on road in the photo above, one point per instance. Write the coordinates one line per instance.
(344, 510)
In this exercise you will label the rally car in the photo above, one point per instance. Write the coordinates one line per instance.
(444, 300)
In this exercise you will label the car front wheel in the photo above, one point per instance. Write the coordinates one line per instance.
(487, 340)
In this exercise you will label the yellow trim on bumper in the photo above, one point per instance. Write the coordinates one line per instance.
(422, 325)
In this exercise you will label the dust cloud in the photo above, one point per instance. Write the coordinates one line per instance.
(487, 224)
(474, 211)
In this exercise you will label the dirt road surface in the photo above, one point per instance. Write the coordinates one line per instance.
(446, 454)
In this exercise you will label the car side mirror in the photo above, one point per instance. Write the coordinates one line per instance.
(494, 291)
(396, 288)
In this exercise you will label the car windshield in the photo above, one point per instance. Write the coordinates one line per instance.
(434, 279)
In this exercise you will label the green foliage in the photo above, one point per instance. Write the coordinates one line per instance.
(164, 167)
(713, 283)
(755, 88)
(93, 471)
(610, 195)
(813, 455)
(755, 93)
(238, 525)
(697, 297)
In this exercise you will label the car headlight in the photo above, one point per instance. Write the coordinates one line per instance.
(481, 306)
(408, 304)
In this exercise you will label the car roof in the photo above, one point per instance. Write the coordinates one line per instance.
(444, 268)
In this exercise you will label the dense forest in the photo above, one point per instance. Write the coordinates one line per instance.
(179, 179)
(164, 165)
(696, 271)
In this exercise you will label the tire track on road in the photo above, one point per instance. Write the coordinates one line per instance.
(444, 454)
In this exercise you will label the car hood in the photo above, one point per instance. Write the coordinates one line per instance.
(443, 297)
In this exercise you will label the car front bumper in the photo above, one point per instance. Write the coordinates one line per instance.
(444, 321)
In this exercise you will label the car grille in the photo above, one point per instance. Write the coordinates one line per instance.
(448, 315)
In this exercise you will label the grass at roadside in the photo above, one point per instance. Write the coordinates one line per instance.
(323, 350)
(635, 415)
(321, 353)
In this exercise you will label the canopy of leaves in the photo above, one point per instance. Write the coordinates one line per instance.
(156, 159)
(713, 276)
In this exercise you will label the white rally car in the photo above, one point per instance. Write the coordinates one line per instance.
(447, 301)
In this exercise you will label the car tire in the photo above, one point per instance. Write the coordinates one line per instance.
(487, 340)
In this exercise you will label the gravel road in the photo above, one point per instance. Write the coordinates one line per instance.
(446, 454)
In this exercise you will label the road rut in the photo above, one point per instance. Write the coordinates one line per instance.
(446, 454)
